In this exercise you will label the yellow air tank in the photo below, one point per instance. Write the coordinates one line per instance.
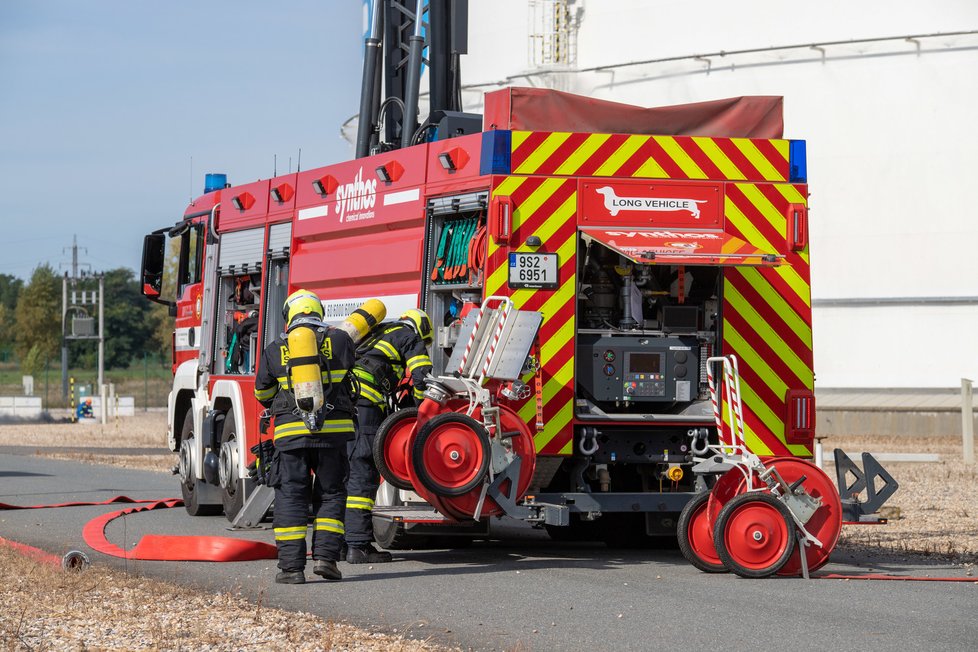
(364, 318)
(304, 371)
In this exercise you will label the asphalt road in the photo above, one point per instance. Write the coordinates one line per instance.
(524, 592)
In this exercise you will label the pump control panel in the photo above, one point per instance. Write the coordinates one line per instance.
(640, 369)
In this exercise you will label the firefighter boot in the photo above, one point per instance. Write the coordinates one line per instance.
(290, 577)
(366, 554)
(327, 570)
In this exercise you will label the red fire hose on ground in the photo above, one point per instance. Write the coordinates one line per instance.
(154, 547)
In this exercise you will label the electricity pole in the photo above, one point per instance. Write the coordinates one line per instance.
(80, 305)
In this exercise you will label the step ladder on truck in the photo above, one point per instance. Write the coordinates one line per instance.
(461, 452)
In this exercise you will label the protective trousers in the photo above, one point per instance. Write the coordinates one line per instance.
(295, 488)
(364, 478)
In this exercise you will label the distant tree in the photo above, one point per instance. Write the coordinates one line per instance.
(38, 319)
(6, 329)
(10, 287)
(162, 339)
(130, 328)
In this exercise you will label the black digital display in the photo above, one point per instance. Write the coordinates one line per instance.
(644, 363)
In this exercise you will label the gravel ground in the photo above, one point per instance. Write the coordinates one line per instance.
(935, 510)
(45, 608)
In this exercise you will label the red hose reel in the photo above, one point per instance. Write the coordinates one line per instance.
(447, 456)
(731, 528)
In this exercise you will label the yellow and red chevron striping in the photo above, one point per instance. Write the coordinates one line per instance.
(546, 208)
(767, 311)
(656, 157)
(767, 314)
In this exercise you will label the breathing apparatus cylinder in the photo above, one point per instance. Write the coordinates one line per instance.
(305, 376)
(363, 319)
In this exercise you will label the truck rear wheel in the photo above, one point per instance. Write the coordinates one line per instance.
(233, 488)
(391, 534)
(188, 481)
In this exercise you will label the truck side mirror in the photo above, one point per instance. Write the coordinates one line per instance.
(151, 277)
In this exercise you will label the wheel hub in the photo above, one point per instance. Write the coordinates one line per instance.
(185, 464)
(228, 465)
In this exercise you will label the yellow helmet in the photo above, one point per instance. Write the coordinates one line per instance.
(422, 324)
(301, 302)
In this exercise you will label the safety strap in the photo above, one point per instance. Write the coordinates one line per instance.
(227, 361)
(439, 269)
(538, 383)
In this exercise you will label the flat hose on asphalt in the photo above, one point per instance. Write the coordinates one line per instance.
(159, 547)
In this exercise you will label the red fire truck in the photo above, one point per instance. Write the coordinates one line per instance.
(649, 243)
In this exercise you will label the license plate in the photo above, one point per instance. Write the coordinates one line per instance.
(532, 270)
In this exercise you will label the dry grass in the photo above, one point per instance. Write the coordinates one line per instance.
(45, 608)
(142, 462)
(936, 506)
(145, 430)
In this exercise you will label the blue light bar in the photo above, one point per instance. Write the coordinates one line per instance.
(214, 182)
(496, 152)
(797, 161)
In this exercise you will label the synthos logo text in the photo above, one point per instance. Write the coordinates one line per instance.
(355, 200)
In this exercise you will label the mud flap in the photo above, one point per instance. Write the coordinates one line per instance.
(854, 510)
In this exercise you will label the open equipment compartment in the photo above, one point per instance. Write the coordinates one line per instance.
(453, 279)
(646, 330)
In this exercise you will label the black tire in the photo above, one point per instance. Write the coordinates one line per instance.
(233, 498)
(420, 445)
(379, 440)
(682, 535)
(392, 535)
(729, 554)
(188, 488)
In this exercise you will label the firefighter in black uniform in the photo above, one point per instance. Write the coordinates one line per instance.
(386, 356)
(301, 450)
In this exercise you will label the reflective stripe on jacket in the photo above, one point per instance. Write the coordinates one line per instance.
(394, 353)
(273, 390)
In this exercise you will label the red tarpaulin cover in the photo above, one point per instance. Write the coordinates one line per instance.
(540, 109)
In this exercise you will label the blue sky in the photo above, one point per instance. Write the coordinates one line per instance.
(104, 102)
